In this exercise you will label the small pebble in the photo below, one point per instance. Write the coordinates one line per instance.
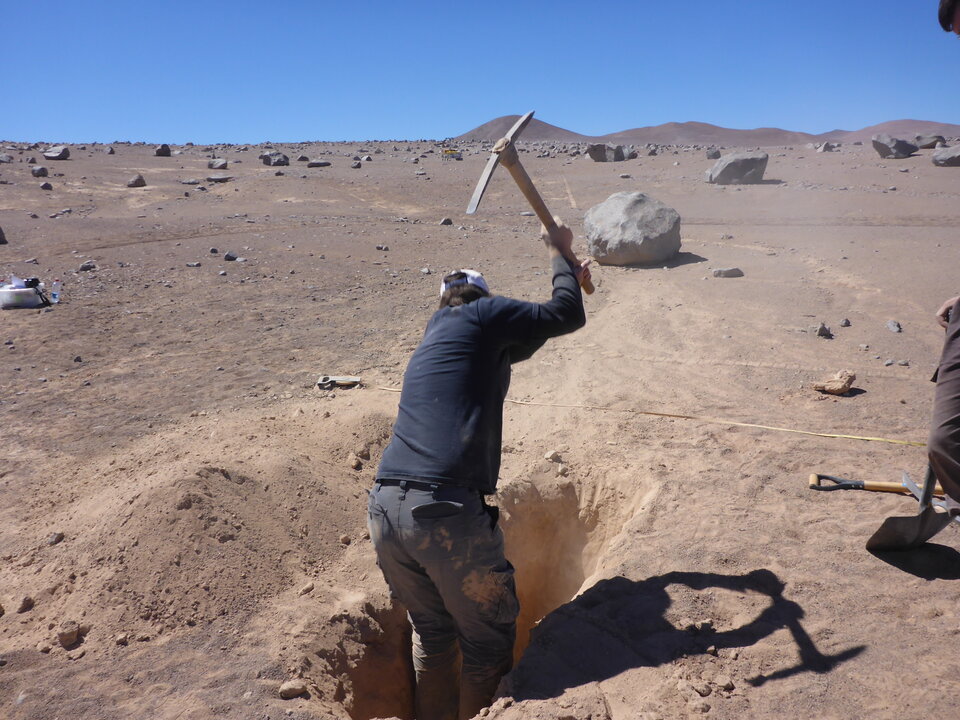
(308, 588)
(26, 604)
(345, 540)
(293, 688)
(55, 538)
(894, 326)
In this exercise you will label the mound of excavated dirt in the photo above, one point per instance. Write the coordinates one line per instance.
(182, 509)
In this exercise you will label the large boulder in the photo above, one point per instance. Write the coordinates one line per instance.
(926, 142)
(741, 168)
(630, 228)
(275, 158)
(601, 152)
(947, 156)
(162, 150)
(57, 152)
(888, 146)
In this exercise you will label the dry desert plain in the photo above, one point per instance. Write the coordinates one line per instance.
(166, 421)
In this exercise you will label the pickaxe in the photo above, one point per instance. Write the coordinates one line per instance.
(505, 152)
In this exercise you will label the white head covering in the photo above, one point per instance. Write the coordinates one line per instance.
(471, 277)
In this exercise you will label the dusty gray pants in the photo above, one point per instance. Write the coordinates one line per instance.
(441, 553)
(943, 445)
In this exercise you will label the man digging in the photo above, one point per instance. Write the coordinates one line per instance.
(437, 541)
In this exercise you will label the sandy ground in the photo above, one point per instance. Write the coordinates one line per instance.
(165, 420)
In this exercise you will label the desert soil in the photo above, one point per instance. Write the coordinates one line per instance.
(211, 498)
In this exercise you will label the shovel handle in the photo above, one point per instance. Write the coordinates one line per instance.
(508, 157)
(872, 485)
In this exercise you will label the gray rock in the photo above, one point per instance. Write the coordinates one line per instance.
(713, 154)
(926, 142)
(733, 272)
(88, 265)
(4, 158)
(46, 186)
(31, 160)
(217, 164)
(190, 181)
(219, 178)
(275, 158)
(826, 147)
(3, 237)
(823, 331)
(630, 228)
(229, 256)
(893, 148)
(39, 171)
(302, 158)
(845, 323)
(741, 168)
(356, 164)
(136, 181)
(110, 151)
(601, 152)
(946, 157)
(26, 604)
(162, 150)
(193, 264)
(893, 326)
(318, 163)
(57, 537)
(446, 221)
(57, 152)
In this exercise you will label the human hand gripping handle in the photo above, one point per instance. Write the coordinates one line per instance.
(560, 238)
(943, 314)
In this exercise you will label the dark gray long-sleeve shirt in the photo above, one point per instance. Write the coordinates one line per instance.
(449, 424)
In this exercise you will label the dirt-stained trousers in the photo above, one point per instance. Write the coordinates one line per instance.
(943, 445)
(441, 553)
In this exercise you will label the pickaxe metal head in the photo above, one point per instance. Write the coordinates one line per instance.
(494, 160)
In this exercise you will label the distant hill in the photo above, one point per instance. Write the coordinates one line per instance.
(536, 130)
(698, 133)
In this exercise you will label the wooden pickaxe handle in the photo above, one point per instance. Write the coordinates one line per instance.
(508, 157)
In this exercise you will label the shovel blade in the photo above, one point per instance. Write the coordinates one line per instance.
(906, 533)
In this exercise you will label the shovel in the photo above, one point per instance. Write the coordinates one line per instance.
(911, 531)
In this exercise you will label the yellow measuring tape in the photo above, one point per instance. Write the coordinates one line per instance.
(701, 418)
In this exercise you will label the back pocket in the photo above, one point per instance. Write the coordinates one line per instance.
(438, 509)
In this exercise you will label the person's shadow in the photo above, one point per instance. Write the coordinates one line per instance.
(619, 624)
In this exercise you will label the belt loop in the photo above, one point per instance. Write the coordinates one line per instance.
(434, 487)
(403, 489)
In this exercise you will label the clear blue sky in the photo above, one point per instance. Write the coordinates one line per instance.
(243, 71)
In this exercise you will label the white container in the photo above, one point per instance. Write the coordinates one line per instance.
(11, 297)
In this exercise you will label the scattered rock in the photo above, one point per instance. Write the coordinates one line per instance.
(356, 165)
(110, 151)
(3, 237)
(733, 272)
(713, 154)
(601, 152)
(845, 323)
(58, 152)
(823, 331)
(136, 181)
(193, 264)
(56, 537)
(887, 363)
(947, 157)
(893, 148)
(345, 540)
(839, 384)
(68, 633)
(425, 271)
(87, 265)
(552, 456)
(229, 256)
(446, 221)
(162, 150)
(26, 604)
(724, 683)
(927, 142)
(632, 228)
(293, 688)
(353, 462)
(318, 163)
(893, 326)
(122, 639)
(826, 147)
(219, 178)
(214, 251)
(306, 589)
(275, 158)
(46, 186)
(4, 158)
(217, 164)
(741, 168)
(39, 171)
